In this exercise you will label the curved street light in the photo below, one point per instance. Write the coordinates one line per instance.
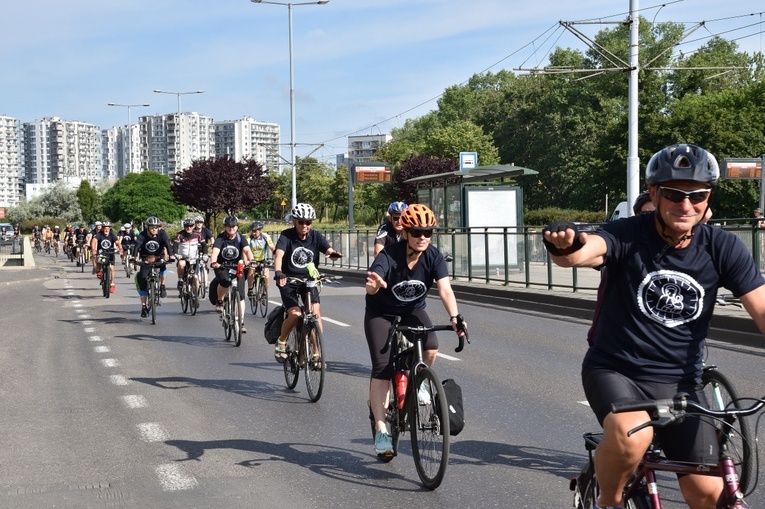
(289, 6)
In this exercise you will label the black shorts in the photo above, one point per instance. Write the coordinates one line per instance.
(291, 298)
(694, 439)
(376, 329)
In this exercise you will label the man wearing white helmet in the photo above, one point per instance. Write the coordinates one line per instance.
(391, 230)
(296, 248)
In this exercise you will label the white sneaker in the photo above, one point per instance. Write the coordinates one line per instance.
(423, 394)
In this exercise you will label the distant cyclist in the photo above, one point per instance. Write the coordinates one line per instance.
(229, 248)
(296, 248)
(105, 240)
(390, 231)
(207, 236)
(188, 245)
(260, 244)
(397, 285)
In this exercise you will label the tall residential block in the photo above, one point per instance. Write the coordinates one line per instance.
(56, 149)
(10, 161)
(121, 151)
(248, 138)
(362, 148)
(169, 143)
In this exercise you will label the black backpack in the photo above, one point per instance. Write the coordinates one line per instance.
(274, 322)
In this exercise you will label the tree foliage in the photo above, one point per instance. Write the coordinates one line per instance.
(215, 186)
(140, 195)
(89, 202)
(58, 201)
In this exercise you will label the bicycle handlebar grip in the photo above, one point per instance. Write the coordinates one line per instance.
(633, 406)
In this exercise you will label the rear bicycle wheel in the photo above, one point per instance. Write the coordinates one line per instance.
(203, 282)
(291, 365)
(720, 394)
(585, 488)
(315, 361)
(429, 427)
(262, 294)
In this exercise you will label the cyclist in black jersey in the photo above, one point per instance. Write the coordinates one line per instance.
(390, 231)
(152, 245)
(397, 285)
(664, 271)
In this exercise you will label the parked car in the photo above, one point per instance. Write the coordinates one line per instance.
(8, 233)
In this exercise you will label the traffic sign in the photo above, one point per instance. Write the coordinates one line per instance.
(468, 160)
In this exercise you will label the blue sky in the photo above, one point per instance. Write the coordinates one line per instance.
(361, 66)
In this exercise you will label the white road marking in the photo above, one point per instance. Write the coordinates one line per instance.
(101, 349)
(89, 329)
(85, 316)
(110, 363)
(341, 324)
(134, 401)
(447, 357)
(95, 338)
(172, 478)
(585, 403)
(152, 432)
(119, 379)
(80, 311)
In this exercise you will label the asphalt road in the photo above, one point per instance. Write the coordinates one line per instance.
(103, 409)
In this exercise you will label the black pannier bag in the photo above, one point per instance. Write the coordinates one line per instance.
(274, 322)
(455, 407)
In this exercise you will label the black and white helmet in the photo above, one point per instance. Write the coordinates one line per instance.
(303, 211)
(682, 162)
(153, 221)
(199, 219)
(189, 221)
(257, 225)
(231, 221)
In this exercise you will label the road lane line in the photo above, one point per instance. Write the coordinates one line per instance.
(172, 478)
(152, 432)
(101, 349)
(119, 380)
(110, 363)
(448, 357)
(89, 329)
(95, 338)
(341, 324)
(135, 401)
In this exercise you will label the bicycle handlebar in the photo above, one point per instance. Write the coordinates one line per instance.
(324, 278)
(424, 329)
(664, 412)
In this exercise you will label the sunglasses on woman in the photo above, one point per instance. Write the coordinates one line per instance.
(420, 233)
(678, 195)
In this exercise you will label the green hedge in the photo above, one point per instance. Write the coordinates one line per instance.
(546, 216)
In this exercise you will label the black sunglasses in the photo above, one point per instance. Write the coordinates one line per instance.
(395, 218)
(304, 223)
(420, 233)
(677, 195)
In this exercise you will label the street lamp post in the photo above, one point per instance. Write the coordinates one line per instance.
(289, 6)
(178, 121)
(130, 130)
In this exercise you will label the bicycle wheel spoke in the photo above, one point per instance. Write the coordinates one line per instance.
(429, 427)
(291, 366)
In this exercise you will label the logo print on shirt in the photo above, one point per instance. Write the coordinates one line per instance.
(230, 252)
(301, 257)
(670, 298)
(408, 291)
(152, 246)
(106, 244)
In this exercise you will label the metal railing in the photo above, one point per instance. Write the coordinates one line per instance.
(506, 256)
(12, 252)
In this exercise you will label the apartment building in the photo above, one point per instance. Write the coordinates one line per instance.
(169, 143)
(249, 138)
(10, 161)
(121, 151)
(56, 149)
(362, 148)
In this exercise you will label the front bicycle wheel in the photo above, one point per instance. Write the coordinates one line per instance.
(263, 295)
(429, 427)
(721, 394)
(203, 282)
(226, 318)
(315, 361)
(105, 279)
(291, 364)
(185, 295)
(128, 268)
(253, 298)
(152, 299)
(236, 317)
(81, 258)
(193, 294)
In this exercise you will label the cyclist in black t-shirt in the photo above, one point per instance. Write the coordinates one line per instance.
(397, 285)
(296, 248)
(390, 231)
(664, 270)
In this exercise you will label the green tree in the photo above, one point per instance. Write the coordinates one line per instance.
(88, 200)
(140, 195)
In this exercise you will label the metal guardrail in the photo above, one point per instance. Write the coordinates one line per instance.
(12, 251)
(509, 255)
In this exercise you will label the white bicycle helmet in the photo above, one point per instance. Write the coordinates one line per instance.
(303, 211)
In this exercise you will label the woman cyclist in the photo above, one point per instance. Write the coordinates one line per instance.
(397, 284)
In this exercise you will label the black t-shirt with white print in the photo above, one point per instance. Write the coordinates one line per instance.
(406, 289)
(299, 253)
(231, 250)
(658, 301)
